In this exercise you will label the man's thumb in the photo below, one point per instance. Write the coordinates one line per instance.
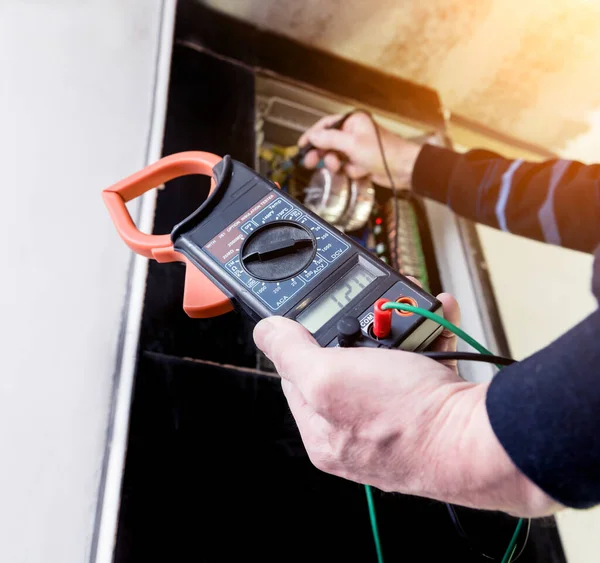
(332, 140)
(284, 341)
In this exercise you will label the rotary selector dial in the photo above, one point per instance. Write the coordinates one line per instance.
(278, 251)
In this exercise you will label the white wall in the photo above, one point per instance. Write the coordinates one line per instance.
(76, 86)
(542, 290)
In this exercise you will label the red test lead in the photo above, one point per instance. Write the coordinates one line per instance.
(382, 324)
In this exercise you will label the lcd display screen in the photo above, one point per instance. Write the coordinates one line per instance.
(336, 298)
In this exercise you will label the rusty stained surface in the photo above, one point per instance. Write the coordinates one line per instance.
(529, 68)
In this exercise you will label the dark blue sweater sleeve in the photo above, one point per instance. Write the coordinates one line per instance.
(544, 410)
(555, 201)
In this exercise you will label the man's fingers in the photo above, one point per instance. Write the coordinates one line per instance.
(447, 340)
(323, 123)
(311, 159)
(451, 308)
(332, 140)
(355, 172)
(332, 162)
(288, 345)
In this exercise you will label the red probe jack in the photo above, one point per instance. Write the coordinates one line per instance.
(382, 323)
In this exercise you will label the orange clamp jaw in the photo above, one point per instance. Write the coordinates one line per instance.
(202, 298)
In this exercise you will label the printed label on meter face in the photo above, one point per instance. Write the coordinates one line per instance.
(225, 248)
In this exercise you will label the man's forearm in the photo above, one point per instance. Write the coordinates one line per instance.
(544, 411)
(556, 201)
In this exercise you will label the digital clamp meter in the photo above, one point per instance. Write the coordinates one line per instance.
(252, 245)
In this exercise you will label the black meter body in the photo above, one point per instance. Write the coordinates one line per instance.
(272, 256)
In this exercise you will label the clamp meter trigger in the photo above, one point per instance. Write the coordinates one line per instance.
(253, 246)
